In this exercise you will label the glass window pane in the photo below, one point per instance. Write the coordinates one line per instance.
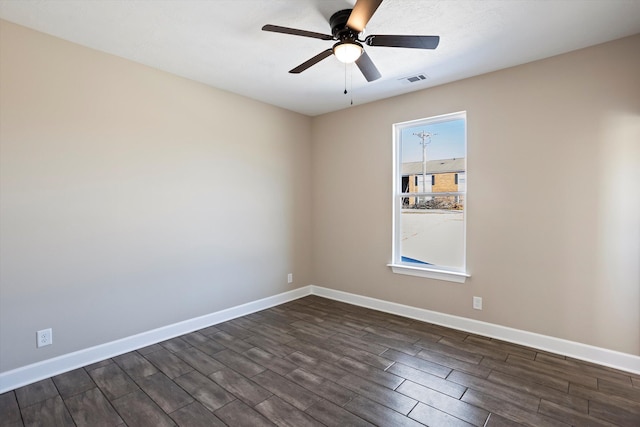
(432, 232)
(433, 141)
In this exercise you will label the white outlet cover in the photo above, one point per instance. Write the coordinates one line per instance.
(477, 303)
(290, 278)
(44, 337)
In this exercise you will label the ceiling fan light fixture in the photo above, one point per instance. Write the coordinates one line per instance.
(347, 51)
(346, 26)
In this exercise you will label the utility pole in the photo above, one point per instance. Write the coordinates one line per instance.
(425, 139)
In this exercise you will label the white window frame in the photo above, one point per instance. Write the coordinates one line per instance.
(432, 271)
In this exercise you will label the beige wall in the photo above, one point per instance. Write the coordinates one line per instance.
(132, 199)
(553, 237)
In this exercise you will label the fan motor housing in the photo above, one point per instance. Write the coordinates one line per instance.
(339, 29)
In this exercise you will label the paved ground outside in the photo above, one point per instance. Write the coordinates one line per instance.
(433, 236)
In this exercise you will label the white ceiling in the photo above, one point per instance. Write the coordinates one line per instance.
(220, 42)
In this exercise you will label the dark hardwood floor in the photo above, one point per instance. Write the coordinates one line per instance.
(319, 362)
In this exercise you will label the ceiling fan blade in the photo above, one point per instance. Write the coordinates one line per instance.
(368, 68)
(362, 13)
(319, 57)
(296, 32)
(417, 42)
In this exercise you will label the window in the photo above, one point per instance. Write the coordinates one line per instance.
(430, 177)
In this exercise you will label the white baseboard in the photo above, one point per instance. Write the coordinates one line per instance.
(19, 377)
(601, 356)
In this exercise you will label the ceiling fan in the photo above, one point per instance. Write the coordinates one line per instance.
(346, 26)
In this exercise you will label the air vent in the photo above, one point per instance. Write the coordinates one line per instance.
(414, 79)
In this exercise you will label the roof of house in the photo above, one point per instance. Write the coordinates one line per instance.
(434, 166)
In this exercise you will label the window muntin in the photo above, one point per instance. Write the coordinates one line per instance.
(430, 194)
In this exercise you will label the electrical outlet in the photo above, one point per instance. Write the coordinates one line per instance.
(44, 337)
(477, 303)
(290, 278)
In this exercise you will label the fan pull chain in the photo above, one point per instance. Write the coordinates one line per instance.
(345, 78)
(350, 81)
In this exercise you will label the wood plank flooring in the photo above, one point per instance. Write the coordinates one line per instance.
(318, 362)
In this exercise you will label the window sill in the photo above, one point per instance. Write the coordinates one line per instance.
(430, 273)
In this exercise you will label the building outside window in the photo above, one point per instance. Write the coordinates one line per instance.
(429, 201)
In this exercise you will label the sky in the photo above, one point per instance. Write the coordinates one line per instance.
(447, 142)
